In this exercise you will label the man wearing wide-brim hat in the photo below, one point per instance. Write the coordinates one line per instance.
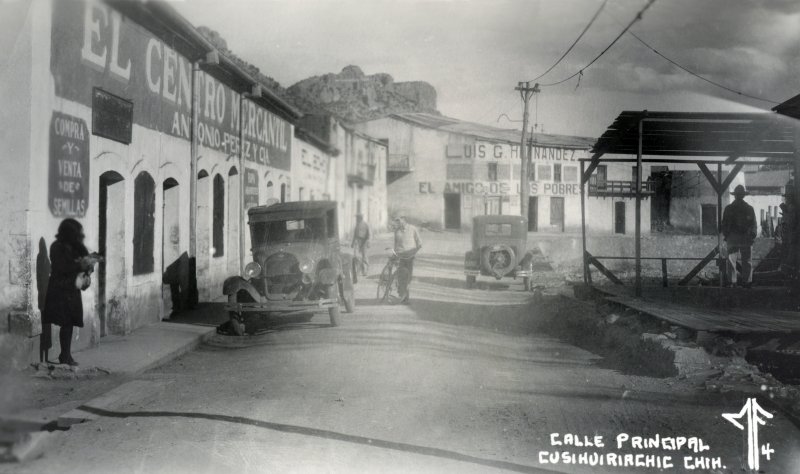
(739, 228)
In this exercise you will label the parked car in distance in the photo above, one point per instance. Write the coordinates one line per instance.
(499, 249)
(297, 266)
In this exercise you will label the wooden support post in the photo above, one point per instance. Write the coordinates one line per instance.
(719, 225)
(709, 176)
(605, 271)
(796, 182)
(699, 267)
(664, 279)
(586, 278)
(586, 174)
(731, 176)
(638, 234)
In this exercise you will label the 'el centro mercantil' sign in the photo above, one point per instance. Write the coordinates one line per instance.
(68, 192)
(93, 45)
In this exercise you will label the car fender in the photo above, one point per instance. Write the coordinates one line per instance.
(235, 284)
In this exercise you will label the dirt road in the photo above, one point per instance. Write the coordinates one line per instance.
(404, 389)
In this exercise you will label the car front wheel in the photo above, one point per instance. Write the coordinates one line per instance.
(237, 324)
(348, 297)
(333, 311)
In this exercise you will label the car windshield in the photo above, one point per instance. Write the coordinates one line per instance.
(296, 230)
(498, 229)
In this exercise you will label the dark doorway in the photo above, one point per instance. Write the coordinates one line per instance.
(452, 211)
(709, 219)
(172, 275)
(533, 214)
(557, 213)
(660, 201)
(619, 217)
(493, 206)
(111, 286)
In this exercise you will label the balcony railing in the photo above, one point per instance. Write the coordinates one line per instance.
(399, 162)
(606, 188)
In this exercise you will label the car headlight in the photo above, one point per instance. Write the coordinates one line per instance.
(307, 266)
(252, 270)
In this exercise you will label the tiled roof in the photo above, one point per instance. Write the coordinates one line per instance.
(485, 132)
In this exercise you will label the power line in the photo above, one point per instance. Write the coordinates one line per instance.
(589, 25)
(580, 71)
(674, 63)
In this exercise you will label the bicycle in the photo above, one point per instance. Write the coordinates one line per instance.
(393, 277)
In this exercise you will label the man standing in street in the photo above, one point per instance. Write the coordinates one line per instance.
(361, 243)
(739, 229)
(406, 244)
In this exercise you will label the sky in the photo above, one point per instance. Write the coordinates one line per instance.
(474, 52)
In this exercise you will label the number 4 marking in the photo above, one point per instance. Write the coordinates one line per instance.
(766, 451)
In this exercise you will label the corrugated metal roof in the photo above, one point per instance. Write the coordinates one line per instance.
(790, 108)
(699, 134)
(485, 132)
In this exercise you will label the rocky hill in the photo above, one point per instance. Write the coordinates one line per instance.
(351, 95)
(355, 96)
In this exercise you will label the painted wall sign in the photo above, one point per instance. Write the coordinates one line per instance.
(250, 188)
(507, 151)
(68, 191)
(93, 45)
(499, 188)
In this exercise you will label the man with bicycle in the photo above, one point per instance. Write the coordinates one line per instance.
(406, 244)
(361, 243)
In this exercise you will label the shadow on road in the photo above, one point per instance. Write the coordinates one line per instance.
(504, 318)
(324, 434)
(458, 283)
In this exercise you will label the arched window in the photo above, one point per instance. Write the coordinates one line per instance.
(144, 221)
(283, 192)
(270, 190)
(218, 217)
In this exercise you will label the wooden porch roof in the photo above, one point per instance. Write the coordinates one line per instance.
(710, 137)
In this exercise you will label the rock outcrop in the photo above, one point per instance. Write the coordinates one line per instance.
(350, 95)
(355, 96)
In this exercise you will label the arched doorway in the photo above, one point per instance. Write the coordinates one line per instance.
(174, 264)
(203, 235)
(232, 224)
(111, 241)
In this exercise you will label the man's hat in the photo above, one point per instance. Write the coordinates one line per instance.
(740, 191)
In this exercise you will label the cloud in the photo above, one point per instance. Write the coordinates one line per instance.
(474, 52)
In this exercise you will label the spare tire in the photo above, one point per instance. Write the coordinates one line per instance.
(498, 260)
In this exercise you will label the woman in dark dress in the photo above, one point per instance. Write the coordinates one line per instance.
(63, 306)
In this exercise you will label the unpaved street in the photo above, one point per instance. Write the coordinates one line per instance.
(401, 389)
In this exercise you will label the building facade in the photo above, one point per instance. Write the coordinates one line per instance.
(353, 172)
(442, 172)
(150, 138)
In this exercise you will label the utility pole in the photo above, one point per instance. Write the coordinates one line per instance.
(525, 92)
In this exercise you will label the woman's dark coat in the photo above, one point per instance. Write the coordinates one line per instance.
(63, 305)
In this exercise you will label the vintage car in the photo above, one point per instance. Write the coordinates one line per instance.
(297, 267)
(499, 249)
